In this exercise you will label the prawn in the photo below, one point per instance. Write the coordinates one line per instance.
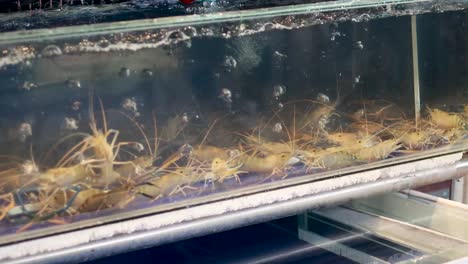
(221, 170)
(445, 120)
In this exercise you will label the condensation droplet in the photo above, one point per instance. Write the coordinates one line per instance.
(125, 72)
(229, 63)
(323, 98)
(71, 123)
(278, 128)
(28, 86)
(24, 131)
(51, 51)
(279, 90)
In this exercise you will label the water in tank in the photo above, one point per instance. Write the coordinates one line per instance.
(113, 120)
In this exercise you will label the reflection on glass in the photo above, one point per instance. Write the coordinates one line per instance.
(92, 126)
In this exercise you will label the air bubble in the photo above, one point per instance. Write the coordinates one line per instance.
(229, 63)
(28, 86)
(278, 128)
(185, 118)
(226, 95)
(51, 51)
(29, 167)
(76, 105)
(357, 79)
(125, 72)
(335, 35)
(323, 98)
(73, 84)
(138, 147)
(278, 90)
(280, 106)
(359, 45)
(278, 58)
(359, 114)
(147, 73)
(130, 105)
(175, 36)
(70, 123)
(24, 131)
(103, 43)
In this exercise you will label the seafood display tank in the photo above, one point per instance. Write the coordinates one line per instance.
(132, 126)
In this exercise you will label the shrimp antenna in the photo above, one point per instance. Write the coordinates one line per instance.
(104, 120)
(287, 130)
(156, 142)
(208, 131)
(140, 129)
(92, 118)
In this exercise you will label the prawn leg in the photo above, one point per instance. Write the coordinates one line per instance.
(10, 205)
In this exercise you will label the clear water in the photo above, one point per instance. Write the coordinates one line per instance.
(218, 107)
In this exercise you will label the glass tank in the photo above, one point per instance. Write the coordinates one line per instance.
(110, 121)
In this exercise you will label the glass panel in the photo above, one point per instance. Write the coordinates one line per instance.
(112, 121)
(444, 69)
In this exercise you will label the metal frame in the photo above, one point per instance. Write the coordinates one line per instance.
(153, 230)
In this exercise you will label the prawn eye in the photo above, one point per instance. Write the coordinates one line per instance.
(359, 141)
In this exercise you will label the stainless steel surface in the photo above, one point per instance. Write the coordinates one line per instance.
(338, 248)
(433, 213)
(125, 236)
(401, 232)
